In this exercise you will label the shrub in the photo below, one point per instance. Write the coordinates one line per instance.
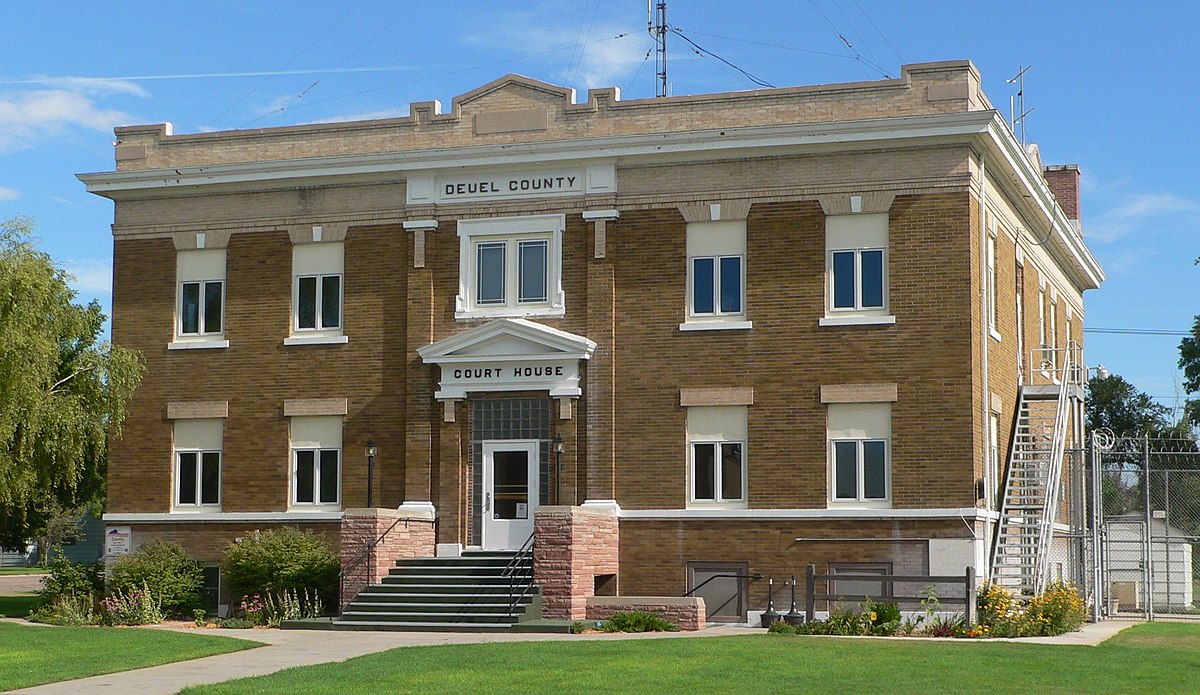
(638, 621)
(999, 611)
(283, 559)
(1056, 610)
(235, 623)
(138, 607)
(781, 628)
(166, 571)
(68, 579)
(67, 609)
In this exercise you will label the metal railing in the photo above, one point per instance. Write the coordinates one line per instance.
(366, 555)
(967, 580)
(517, 563)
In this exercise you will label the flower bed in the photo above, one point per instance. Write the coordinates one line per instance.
(1057, 610)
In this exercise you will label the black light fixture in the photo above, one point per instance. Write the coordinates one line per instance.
(371, 452)
(558, 450)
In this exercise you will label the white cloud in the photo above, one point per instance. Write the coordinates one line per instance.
(589, 59)
(28, 117)
(93, 85)
(9, 193)
(92, 276)
(1149, 211)
(363, 116)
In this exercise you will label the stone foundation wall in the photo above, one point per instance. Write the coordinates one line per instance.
(410, 537)
(687, 612)
(572, 545)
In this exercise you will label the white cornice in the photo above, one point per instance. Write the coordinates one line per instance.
(660, 146)
(984, 130)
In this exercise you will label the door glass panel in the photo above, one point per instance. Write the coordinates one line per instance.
(510, 485)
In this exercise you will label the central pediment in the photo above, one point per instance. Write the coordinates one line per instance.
(509, 355)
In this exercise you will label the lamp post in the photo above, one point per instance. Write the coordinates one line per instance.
(558, 450)
(371, 451)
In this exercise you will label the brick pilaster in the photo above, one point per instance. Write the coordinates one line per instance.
(409, 537)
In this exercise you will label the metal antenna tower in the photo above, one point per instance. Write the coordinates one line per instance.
(656, 19)
(1017, 104)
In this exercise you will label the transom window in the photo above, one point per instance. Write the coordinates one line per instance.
(859, 453)
(511, 267)
(316, 461)
(856, 269)
(716, 274)
(317, 292)
(197, 451)
(201, 302)
(717, 455)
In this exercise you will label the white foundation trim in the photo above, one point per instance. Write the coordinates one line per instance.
(964, 513)
(222, 517)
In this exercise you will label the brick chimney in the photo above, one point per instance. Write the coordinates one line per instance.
(1063, 180)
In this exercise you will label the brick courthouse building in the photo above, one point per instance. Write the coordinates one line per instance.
(700, 335)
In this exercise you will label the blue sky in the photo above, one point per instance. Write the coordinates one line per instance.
(1112, 88)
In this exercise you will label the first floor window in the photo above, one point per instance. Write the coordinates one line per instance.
(198, 478)
(857, 279)
(717, 471)
(200, 307)
(318, 478)
(859, 453)
(860, 469)
(717, 285)
(318, 302)
(716, 437)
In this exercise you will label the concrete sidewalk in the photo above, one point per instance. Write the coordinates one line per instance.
(288, 648)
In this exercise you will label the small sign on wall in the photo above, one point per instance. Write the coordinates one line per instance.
(118, 540)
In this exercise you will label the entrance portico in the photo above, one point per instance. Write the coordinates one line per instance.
(517, 382)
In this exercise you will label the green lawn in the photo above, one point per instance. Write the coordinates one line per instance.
(22, 570)
(32, 655)
(16, 605)
(1153, 658)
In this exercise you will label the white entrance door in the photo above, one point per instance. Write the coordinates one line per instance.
(510, 492)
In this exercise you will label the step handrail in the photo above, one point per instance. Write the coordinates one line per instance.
(364, 555)
(525, 552)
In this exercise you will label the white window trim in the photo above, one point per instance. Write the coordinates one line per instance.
(993, 328)
(860, 502)
(197, 507)
(857, 309)
(331, 331)
(725, 325)
(857, 320)
(718, 503)
(716, 314)
(316, 340)
(703, 246)
(316, 504)
(212, 339)
(194, 344)
(512, 230)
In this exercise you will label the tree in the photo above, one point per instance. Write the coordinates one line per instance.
(1118, 405)
(62, 391)
(1189, 362)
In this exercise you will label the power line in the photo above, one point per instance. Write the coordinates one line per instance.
(1136, 331)
(701, 51)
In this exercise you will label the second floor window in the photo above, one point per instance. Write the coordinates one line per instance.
(201, 307)
(318, 302)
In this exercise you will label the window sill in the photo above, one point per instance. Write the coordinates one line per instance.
(717, 505)
(197, 510)
(198, 345)
(856, 320)
(511, 313)
(716, 326)
(316, 340)
(306, 508)
(995, 335)
(859, 504)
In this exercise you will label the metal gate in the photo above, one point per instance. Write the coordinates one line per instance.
(1145, 522)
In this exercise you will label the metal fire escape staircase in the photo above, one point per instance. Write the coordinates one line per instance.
(1033, 477)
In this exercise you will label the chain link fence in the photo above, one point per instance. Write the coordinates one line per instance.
(1144, 515)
